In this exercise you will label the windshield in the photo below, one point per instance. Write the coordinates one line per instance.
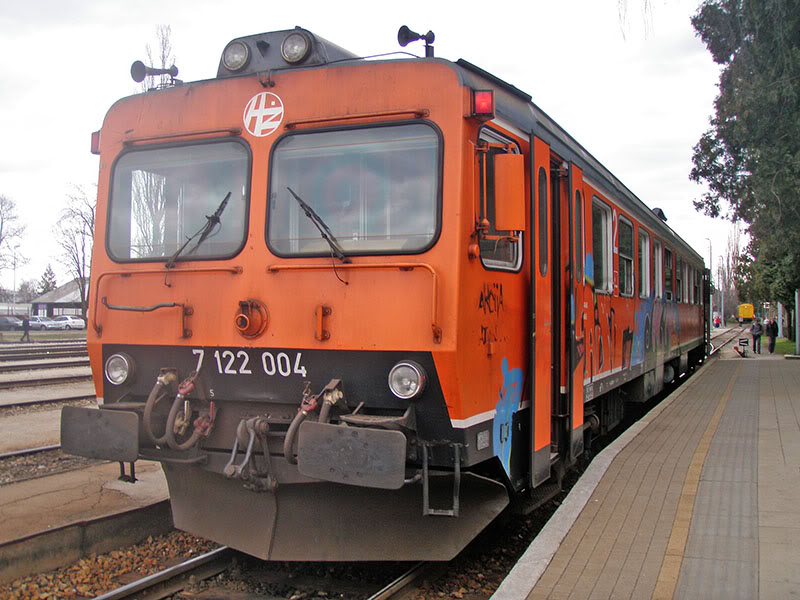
(162, 197)
(375, 188)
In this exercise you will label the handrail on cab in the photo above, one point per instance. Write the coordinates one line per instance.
(406, 266)
(185, 333)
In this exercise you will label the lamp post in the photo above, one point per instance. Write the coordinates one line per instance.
(711, 275)
(723, 285)
(14, 291)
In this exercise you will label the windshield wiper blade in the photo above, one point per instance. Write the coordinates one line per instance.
(324, 231)
(203, 232)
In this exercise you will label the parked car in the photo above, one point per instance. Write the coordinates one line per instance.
(39, 322)
(10, 323)
(70, 322)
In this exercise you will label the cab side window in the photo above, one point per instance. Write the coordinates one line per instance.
(644, 264)
(625, 257)
(667, 274)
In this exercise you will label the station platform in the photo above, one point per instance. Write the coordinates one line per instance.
(699, 499)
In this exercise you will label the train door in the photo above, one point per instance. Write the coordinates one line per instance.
(575, 343)
(543, 368)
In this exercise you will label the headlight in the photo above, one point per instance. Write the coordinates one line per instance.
(295, 47)
(119, 368)
(235, 56)
(407, 380)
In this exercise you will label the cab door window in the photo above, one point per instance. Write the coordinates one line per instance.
(498, 249)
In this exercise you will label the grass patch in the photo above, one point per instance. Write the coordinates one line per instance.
(782, 345)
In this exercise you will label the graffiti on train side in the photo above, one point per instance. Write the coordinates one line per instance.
(508, 404)
(612, 342)
(490, 305)
(491, 298)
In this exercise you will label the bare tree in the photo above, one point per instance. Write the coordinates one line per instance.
(27, 291)
(163, 59)
(647, 15)
(10, 232)
(148, 192)
(727, 268)
(74, 234)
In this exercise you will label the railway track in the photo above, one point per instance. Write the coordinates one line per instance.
(29, 451)
(727, 336)
(22, 382)
(36, 358)
(51, 363)
(42, 350)
(174, 579)
(186, 576)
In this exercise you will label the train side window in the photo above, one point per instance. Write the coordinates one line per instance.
(543, 225)
(667, 274)
(679, 297)
(658, 275)
(696, 286)
(499, 250)
(686, 287)
(644, 264)
(578, 236)
(601, 245)
(625, 257)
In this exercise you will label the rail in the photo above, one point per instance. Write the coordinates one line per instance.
(401, 583)
(29, 451)
(174, 579)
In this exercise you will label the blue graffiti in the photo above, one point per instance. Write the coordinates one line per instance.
(588, 269)
(507, 405)
(642, 337)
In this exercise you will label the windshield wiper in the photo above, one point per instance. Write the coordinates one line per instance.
(211, 222)
(324, 231)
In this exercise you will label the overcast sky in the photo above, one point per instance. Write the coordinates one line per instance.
(637, 97)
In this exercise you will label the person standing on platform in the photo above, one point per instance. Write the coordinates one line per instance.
(756, 331)
(772, 333)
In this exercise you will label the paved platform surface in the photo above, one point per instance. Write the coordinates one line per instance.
(39, 505)
(700, 499)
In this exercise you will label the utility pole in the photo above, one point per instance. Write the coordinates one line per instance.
(711, 300)
(723, 285)
(14, 291)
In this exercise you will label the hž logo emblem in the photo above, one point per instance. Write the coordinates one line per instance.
(263, 114)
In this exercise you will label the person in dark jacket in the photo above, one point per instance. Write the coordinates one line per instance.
(772, 333)
(757, 331)
(26, 329)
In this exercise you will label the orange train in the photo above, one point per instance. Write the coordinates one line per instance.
(356, 308)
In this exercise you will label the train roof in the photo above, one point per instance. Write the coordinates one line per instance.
(279, 51)
(517, 107)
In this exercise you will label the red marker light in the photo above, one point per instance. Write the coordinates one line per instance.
(95, 142)
(483, 104)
